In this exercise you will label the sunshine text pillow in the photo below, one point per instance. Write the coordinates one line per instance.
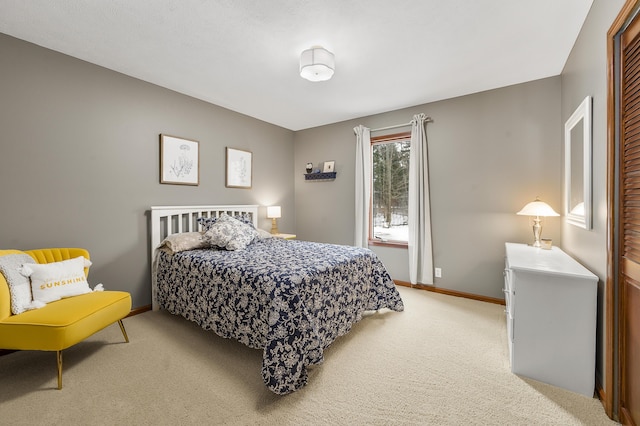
(53, 281)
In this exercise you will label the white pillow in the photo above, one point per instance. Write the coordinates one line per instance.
(53, 281)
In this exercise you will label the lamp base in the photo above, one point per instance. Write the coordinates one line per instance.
(537, 231)
(274, 226)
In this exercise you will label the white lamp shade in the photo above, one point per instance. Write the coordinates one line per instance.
(317, 64)
(537, 208)
(274, 212)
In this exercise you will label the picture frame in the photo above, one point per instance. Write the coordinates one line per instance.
(329, 166)
(179, 160)
(239, 167)
(578, 166)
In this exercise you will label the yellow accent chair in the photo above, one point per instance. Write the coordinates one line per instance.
(63, 323)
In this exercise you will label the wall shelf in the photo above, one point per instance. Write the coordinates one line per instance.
(320, 176)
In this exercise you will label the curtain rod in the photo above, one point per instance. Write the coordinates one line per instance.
(391, 127)
(428, 119)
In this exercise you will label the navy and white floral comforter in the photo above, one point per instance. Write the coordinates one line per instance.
(291, 299)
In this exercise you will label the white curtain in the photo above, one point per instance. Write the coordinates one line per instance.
(420, 248)
(363, 185)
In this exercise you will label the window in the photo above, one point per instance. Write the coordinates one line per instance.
(390, 189)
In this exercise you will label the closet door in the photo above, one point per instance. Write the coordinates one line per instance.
(629, 238)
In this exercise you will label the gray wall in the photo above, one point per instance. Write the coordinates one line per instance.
(489, 154)
(79, 160)
(585, 73)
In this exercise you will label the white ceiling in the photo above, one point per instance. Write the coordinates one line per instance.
(244, 54)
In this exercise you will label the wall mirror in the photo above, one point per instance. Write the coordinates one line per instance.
(577, 166)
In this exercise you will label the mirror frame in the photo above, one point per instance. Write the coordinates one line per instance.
(581, 115)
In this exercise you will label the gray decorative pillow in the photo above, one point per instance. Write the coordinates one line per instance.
(207, 222)
(230, 234)
(19, 285)
(262, 234)
(185, 241)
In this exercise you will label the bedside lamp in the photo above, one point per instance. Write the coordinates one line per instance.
(273, 213)
(536, 209)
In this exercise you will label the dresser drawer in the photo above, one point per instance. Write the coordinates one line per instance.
(508, 276)
(509, 299)
(509, 295)
(506, 291)
(510, 330)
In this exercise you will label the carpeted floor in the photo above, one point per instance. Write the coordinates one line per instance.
(443, 361)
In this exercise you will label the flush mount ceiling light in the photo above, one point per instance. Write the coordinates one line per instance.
(317, 64)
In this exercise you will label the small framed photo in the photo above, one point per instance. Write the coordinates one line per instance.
(179, 161)
(328, 166)
(238, 165)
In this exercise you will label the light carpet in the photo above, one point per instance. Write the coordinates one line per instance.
(443, 361)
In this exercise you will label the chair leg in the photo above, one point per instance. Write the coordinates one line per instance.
(59, 354)
(59, 360)
(124, 332)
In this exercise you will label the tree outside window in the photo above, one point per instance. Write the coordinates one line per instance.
(390, 188)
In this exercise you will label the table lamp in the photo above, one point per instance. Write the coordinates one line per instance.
(535, 209)
(273, 213)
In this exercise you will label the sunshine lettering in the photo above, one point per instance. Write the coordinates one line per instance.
(52, 284)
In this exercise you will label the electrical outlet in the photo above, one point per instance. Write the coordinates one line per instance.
(438, 273)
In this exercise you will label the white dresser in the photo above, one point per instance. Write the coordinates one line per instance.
(551, 307)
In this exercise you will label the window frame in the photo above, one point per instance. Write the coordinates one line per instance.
(378, 140)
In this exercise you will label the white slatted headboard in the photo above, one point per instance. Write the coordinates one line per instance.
(168, 220)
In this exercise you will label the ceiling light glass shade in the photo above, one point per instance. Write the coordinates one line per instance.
(537, 208)
(317, 64)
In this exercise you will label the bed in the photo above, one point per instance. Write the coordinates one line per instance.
(289, 298)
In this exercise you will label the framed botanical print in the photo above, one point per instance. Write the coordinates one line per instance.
(238, 168)
(179, 161)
